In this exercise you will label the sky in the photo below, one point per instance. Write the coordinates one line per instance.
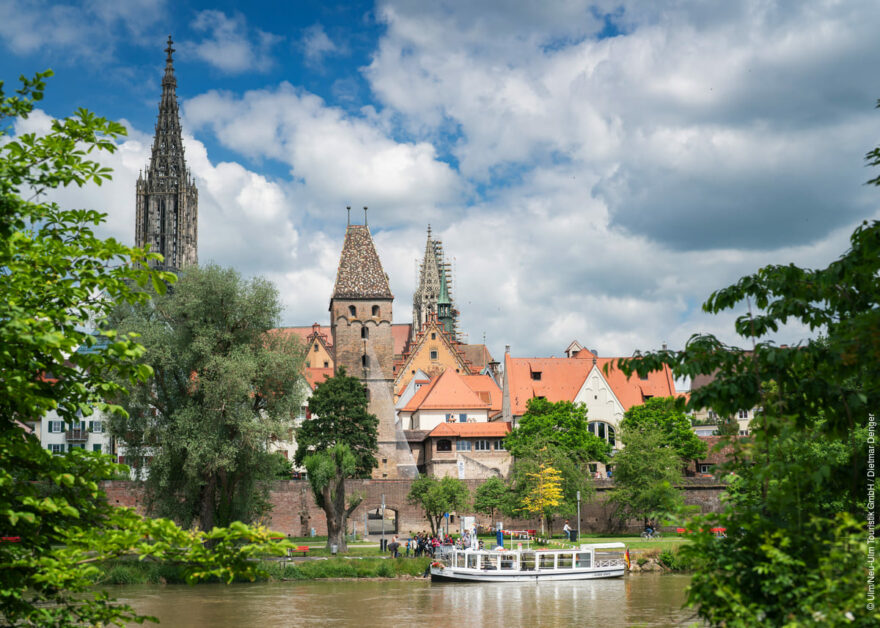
(595, 170)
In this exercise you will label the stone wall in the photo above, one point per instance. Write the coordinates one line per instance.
(294, 511)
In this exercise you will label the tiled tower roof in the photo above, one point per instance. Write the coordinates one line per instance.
(360, 274)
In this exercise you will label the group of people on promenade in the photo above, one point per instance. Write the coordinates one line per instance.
(424, 544)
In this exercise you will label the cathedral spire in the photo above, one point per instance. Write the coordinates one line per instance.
(167, 200)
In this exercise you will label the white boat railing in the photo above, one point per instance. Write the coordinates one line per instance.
(612, 562)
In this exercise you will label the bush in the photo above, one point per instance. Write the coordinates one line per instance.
(675, 560)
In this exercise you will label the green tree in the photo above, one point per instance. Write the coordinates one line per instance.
(223, 386)
(437, 497)
(645, 473)
(341, 441)
(555, 434)
(491, 496)
(667, 413)
(545, 494)
(56, 278)
(792, 556)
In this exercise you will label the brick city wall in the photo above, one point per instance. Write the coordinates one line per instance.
(294, 511)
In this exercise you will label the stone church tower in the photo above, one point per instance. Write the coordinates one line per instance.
(167, 199)
(434, 286)
(360, 324)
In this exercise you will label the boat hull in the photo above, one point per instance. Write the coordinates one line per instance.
(440, 574)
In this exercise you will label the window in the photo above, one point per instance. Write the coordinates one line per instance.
(450, 418)
(481, 445)
(499, 445)
(56, 449)
(56, 427)
(433, 354)
(706, 468)
(375, 310)
(96, 426)
(433, 335)
(603, 430)
(546, 561)
(365, 361)
(592, 467)
(326, 364)
(352, 311)
(743, 414)
(462, 418)
(536, 376)
(365, 333)
(97, 447)
(315, 348)
(444, 444)
(73, 446)
(583, 560)
(463, 445)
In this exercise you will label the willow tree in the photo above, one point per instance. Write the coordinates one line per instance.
(223, 387)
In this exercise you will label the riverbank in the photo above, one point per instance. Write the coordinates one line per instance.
(145, 572)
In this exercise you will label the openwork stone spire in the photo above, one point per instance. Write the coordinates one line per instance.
(433, 279)
(167, 198)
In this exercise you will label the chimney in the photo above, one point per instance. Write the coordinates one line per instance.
(506, 349)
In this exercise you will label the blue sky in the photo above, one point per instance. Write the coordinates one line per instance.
(595, 169)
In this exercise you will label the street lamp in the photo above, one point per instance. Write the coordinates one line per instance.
(382, 521)
(579, 517)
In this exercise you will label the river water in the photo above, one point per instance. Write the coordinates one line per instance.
(640, 600)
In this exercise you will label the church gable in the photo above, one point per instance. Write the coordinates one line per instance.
(599, 398)
(433, 352)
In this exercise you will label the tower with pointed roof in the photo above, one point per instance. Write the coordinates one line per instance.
(434, 282)
(167, 199)
(360, 325)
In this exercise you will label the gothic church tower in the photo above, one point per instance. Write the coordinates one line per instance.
(167, 199)
(360, 324)
(434, 286)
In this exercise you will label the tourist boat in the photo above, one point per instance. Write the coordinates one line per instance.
(599, 560)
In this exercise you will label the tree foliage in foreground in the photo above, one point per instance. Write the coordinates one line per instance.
(57, 276)
(223, 386)
(339, 442)
(796, 550)
(437, 497)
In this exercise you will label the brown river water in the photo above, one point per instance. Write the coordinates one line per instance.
(639, 600)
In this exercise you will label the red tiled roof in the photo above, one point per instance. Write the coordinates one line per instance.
(486, 389)
(560, 379)
(315, 376)
(495, 429)
(448, 391)
(400, 336)
(478, 355)
(305, 333)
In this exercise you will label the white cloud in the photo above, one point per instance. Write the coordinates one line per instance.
(316, 45)
(88, 29)
(334, 159)
(230, 45)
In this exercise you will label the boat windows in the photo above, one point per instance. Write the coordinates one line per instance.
(547, 561)
(489, 562)
(584, 559)
(527, 561)
(508, 561)
(472, 561)
(564, 561)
